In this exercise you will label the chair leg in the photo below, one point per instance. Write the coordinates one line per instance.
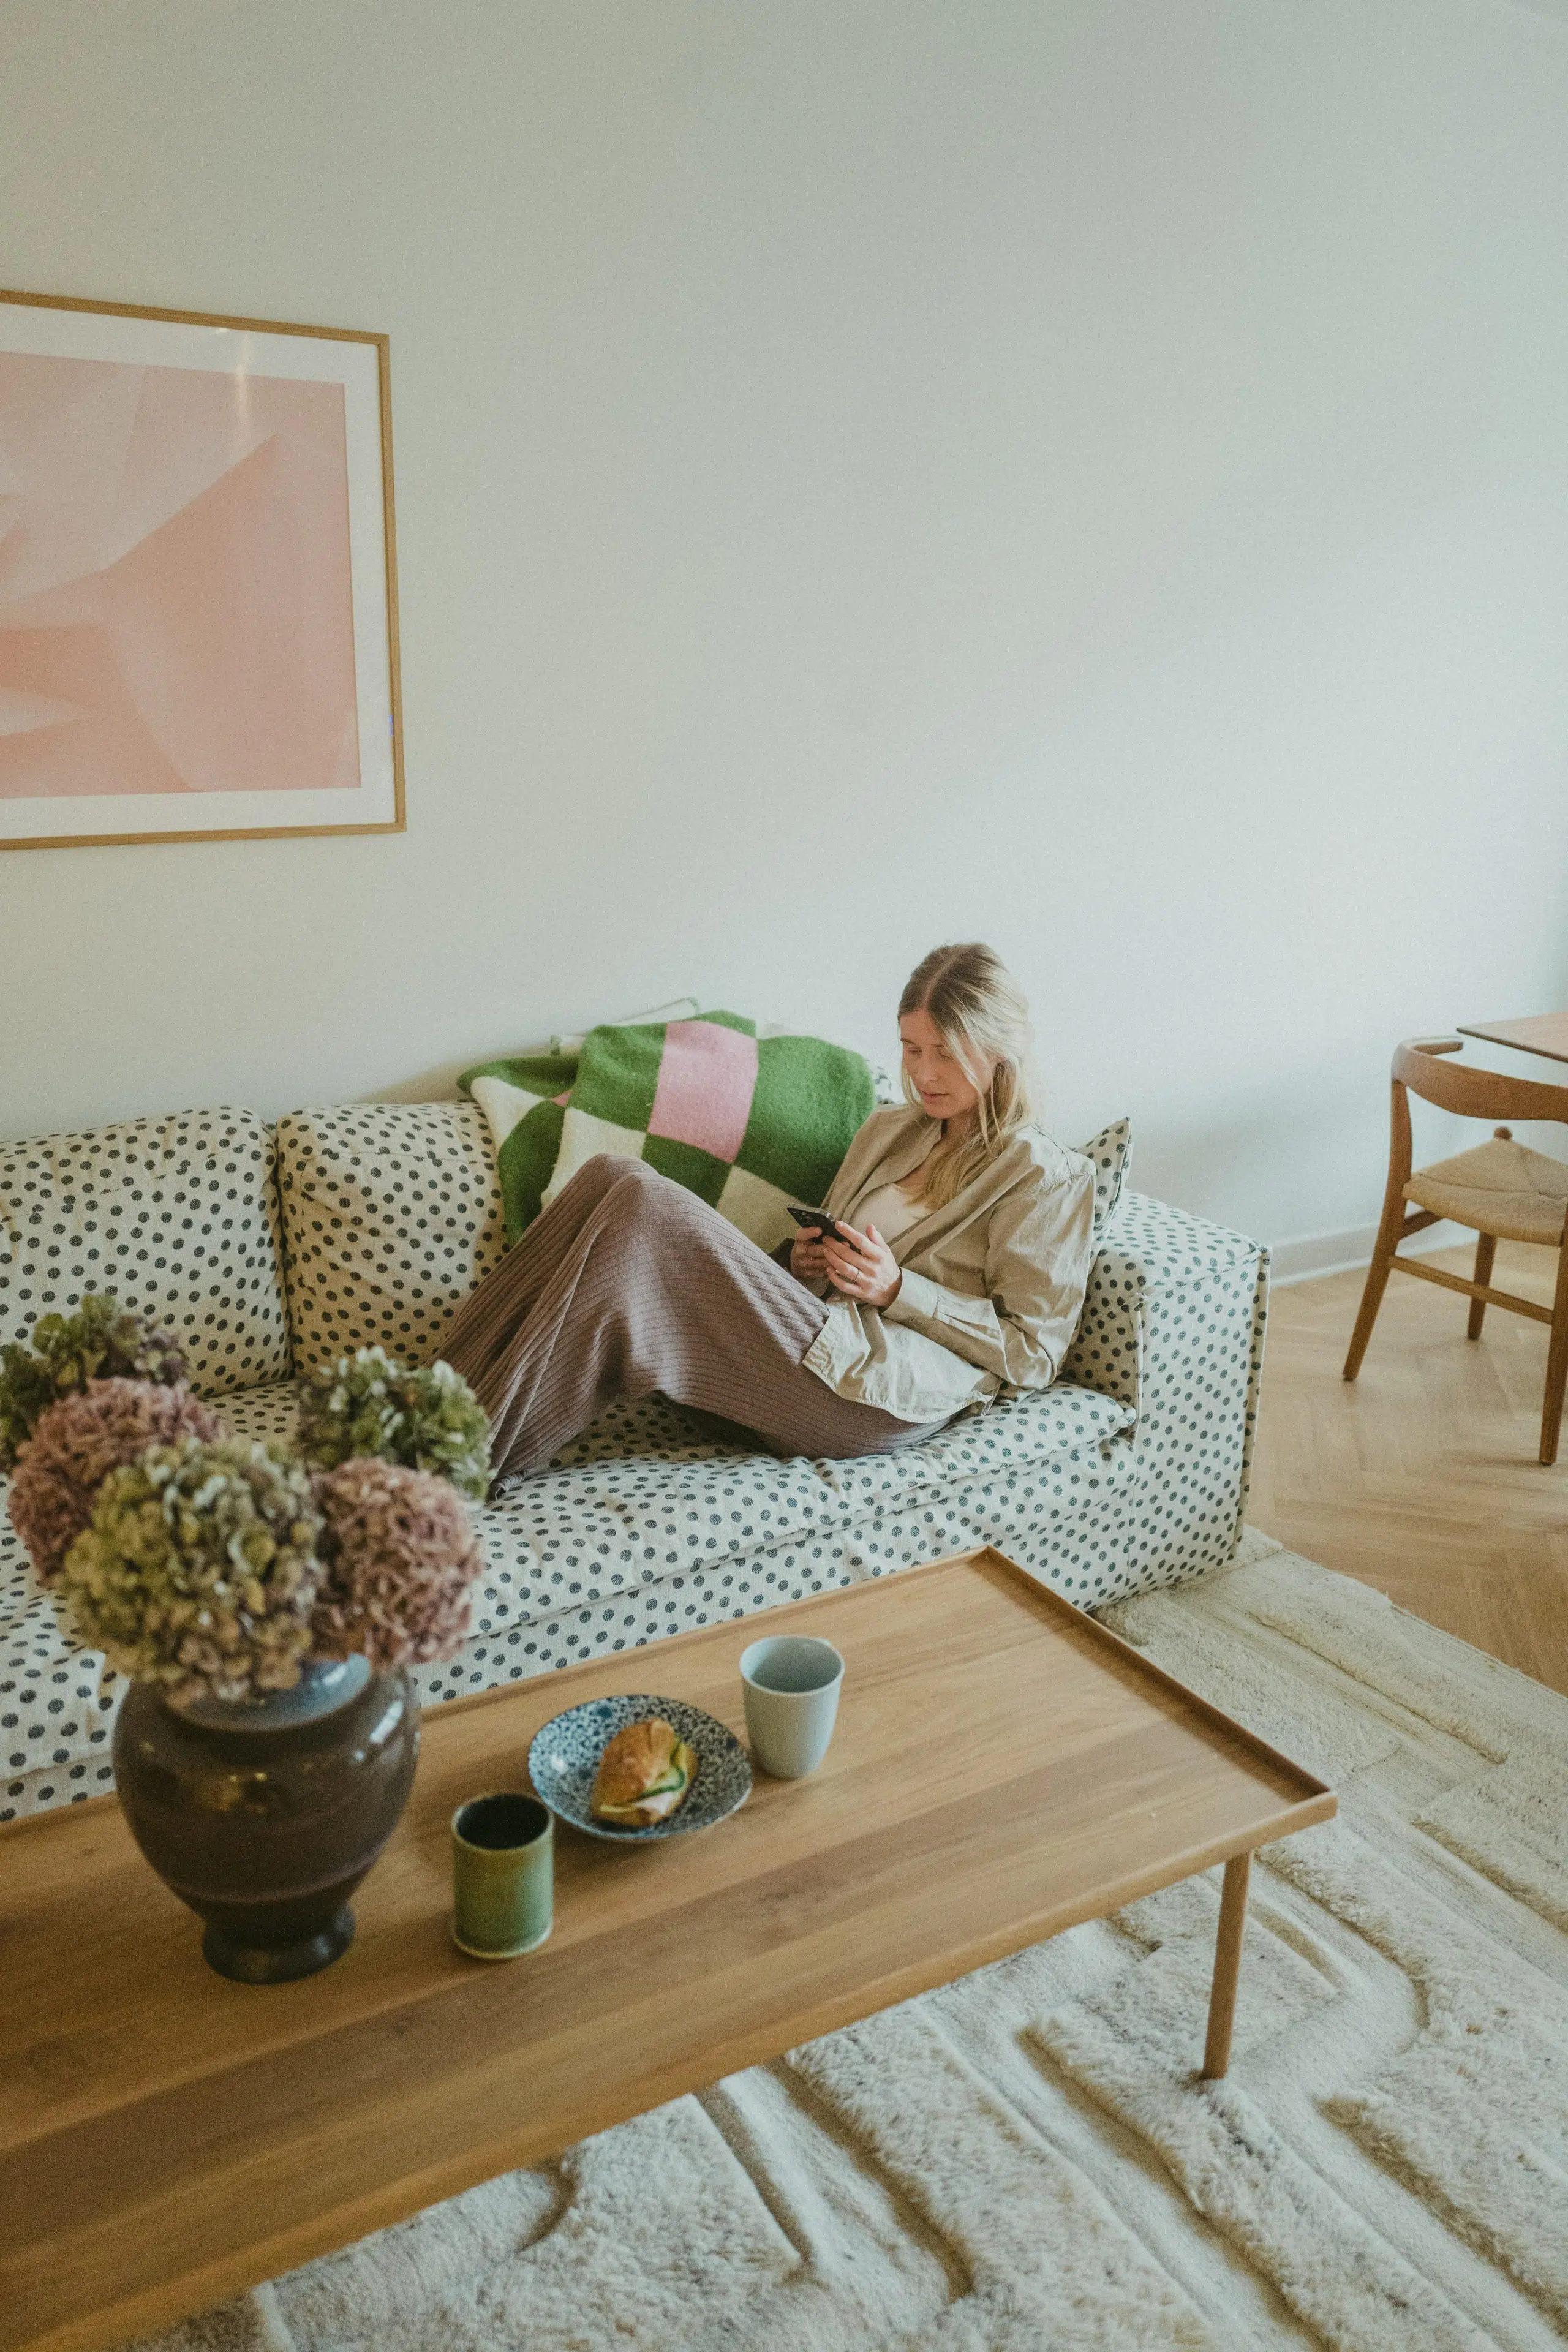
(1389, 1225)
(1371, 1298)
(1485, 1250)
(1556, 1363)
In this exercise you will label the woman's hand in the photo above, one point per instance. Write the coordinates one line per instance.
(861, 1266)
(806, 1261)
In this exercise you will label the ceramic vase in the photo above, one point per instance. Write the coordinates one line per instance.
(263, 1814)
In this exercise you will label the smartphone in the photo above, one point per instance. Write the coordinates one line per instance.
(816, 1220)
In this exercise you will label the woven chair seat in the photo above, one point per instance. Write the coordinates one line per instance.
(1501, 1188)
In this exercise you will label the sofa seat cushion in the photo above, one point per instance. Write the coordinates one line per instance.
(649, 1526)
(646, 1498)
(177, 1215)
(649, 1492)
(57, 1701)
(391, 1215)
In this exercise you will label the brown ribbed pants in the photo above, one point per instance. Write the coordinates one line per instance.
(628, 1283)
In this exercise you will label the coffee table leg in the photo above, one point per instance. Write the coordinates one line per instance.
(1226, 1966)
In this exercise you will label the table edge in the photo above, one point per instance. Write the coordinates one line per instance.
(1490, 1033)
(194, 2290)
(983, 1558)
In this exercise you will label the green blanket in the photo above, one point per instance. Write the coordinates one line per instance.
(748, 1122)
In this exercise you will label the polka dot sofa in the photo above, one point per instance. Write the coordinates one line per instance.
(270, 1248)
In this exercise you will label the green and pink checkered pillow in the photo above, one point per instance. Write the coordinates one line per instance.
(747, 1122)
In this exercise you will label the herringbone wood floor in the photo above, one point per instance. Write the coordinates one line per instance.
(1420, 1476)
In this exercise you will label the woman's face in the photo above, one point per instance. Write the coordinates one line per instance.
(934, 1072)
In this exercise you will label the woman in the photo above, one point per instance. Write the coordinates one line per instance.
(959, 1264)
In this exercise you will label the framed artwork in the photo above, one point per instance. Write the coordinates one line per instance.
(198, 599)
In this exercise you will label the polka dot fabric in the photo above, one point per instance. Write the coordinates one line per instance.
(1131, 1473)
(655, 1497)
(648, 1497)
(177, 1215)
(390, 1215)
(59, 1701)
(720, 1532)
(1111, 1152)
(54, 1720)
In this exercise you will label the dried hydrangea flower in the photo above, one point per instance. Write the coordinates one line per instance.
(77, 1441)
(400, 1557)
(369, 1406)
(199, 1569)
(102, 1340)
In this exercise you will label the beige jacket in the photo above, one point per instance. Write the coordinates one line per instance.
(993, 1283)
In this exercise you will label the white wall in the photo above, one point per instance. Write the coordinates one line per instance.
(1091, 475)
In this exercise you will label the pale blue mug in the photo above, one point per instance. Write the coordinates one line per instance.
(792, 1683)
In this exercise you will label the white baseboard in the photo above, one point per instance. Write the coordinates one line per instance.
(1311, 1255)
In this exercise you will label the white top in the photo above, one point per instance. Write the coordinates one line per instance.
(891, 1211)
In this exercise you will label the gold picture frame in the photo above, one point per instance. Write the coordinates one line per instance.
(288, 546)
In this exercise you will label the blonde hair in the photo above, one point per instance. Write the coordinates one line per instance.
(982, 1015)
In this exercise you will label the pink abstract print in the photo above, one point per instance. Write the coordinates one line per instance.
(175, 605)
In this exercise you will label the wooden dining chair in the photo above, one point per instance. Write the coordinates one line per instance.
(1502, 1190)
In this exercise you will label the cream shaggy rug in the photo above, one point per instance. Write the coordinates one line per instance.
(1025, 2162)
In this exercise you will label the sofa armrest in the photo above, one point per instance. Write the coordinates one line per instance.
(1174, 1325)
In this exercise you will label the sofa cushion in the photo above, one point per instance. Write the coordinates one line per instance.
(649, 1494)
(391, 1215)
(649, 1509)
(177, 1215)
(1111, 1152)
(650, 1491)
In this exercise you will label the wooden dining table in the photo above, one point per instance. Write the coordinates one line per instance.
(1536, 1033)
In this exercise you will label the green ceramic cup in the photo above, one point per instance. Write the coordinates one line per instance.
(503, 1875)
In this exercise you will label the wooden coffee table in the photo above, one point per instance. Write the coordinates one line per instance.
(1003, 1768)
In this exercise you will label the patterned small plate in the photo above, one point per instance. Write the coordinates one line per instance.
(565, 1755)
